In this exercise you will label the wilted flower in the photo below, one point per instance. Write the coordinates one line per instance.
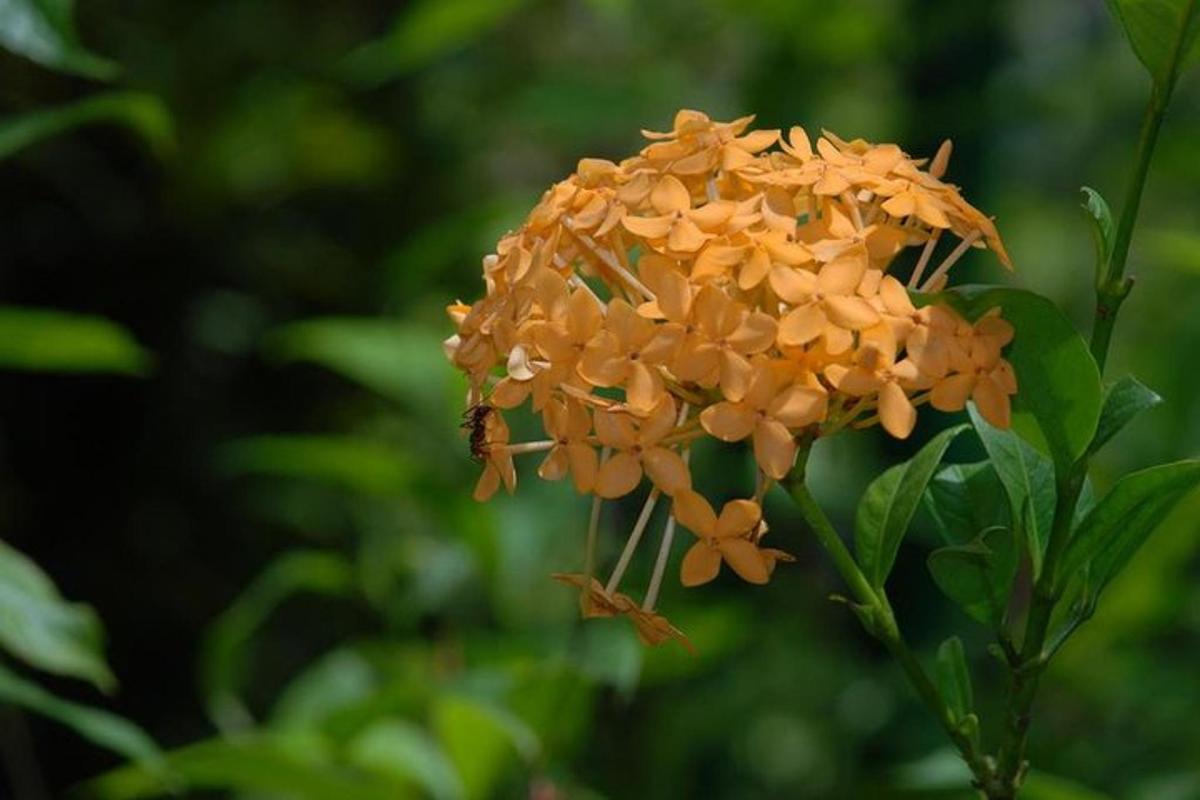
(730, 283)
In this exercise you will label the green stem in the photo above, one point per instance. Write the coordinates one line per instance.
(1111, 291)
(1114, 286)
(879, 620)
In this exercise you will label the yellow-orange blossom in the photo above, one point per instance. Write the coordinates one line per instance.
(727, 283)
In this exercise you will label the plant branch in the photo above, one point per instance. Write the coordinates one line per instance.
(876, 615)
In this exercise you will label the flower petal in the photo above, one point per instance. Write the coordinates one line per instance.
(738, 518)
(852, 313)
(774, 448)
(700, 565)
(802, 325)
(793, 284)
(649, 227)
(743, 557)
(618, 476)
(797, 406)
(992, 402)
(670, 195)
(584, 464)
(554, 466)
(667, 470)
(896, 411)
(951, 393)
(694, 513)
(729, 422)
(615, 429)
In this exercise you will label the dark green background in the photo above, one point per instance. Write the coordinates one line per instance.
(348, 160)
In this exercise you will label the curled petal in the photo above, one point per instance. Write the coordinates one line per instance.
(754, 270)
(618, 476)
(735, 374)
(488, 483)
(649, 227)
(701, 564)
(643, 388)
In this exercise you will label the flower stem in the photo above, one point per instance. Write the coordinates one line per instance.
(877, 617)
(1111, 291)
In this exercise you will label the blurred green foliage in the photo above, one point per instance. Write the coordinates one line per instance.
(272, 205)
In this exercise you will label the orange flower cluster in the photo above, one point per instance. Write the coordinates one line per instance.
(726, 283)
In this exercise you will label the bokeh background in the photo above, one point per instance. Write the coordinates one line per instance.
(273, 518)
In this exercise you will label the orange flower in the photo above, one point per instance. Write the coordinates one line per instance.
(826, 304)
(498, 464)
(728, 538)
(626, 352)
(637, 446)
(769, 413)
(568, 422)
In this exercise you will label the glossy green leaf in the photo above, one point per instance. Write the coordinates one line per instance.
(424, 32)
(963, 499)
(1163, 34)
(227, 645)
(1028, 480)
(406, 752)
(41, 628)
(1058, 399)
(483, 742)
(1103, 227)
(978, 576)
(1121, 522)
(44, 31)
(43, 340)
(1123, 401)
(272, 766)
(888, 505)
(353, 463)
(954, 679)
(96, 725)
(144, 114)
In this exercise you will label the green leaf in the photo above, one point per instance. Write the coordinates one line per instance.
(978, 576)
(1163, 34)
(399, 360)
(96, 725)
(56, 341)
(963, 499)
(888, 505)
(1122, 521)
(1123, 401)
(43, 31)
(142, 113)
(424, 32)
(482, 741)
(44, 630)
(225, 653)
(352, 463)
(401, 750)
(954, 679)
(1103, 227)
(1058, 399)
(1044, 786)
(298, 769)
(1028, 480)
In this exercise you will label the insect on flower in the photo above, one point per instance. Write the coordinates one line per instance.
(723, 283)
(475, 423)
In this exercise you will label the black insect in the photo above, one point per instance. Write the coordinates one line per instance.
(475, 422)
